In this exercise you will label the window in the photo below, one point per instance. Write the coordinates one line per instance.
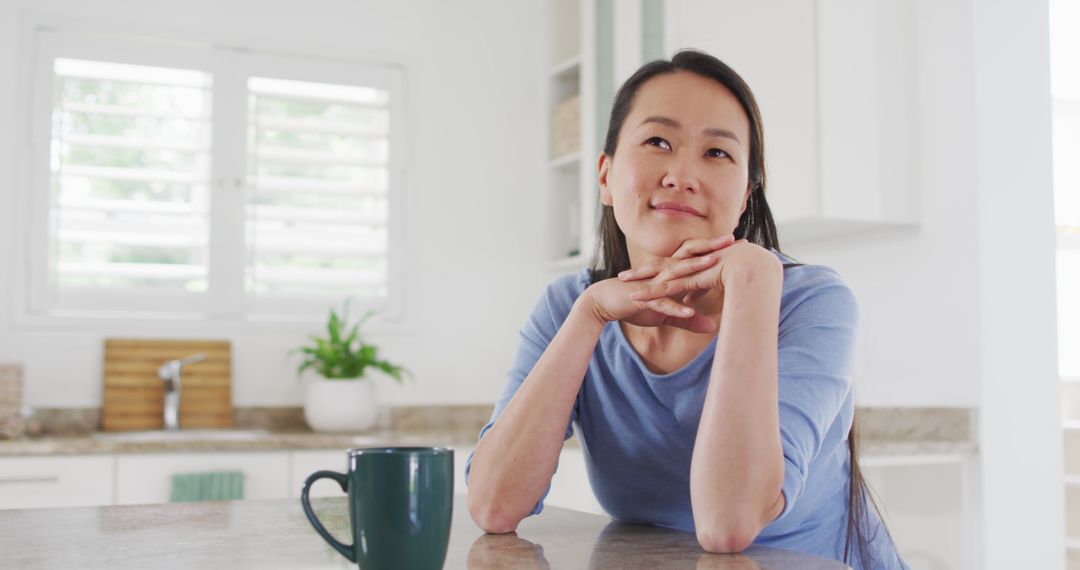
(202, 181)
(318, 202)
(130, 177)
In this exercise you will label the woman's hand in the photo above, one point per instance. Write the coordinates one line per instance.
(615, 299)
(687, 276)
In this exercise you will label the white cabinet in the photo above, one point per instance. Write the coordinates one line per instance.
(835, 83)
(304, 463)
(148, 478)
(57, 481)
(928, 505)
(92, 480)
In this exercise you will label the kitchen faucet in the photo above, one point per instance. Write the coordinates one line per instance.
(170, 374)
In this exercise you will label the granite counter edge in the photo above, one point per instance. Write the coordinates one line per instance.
(85, 445)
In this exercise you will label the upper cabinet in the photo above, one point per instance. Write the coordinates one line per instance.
(835, 81)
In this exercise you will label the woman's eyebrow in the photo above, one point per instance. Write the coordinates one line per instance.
(711, 131)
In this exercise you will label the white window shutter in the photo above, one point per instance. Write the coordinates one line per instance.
(318, 160)
(129, 177)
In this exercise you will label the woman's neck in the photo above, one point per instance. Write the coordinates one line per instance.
(667, 349)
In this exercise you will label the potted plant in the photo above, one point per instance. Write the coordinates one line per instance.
(341, 398)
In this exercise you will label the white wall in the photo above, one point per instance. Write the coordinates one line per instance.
(1021, 435)
(474, 78)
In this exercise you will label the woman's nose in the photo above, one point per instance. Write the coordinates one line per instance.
(681, 174)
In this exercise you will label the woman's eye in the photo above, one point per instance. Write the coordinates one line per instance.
(716, 153)
(658, 142)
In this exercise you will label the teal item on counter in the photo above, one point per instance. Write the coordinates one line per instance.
(401, 504)
(212, 486)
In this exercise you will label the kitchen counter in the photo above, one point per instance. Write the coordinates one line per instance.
(273, 441)
(275, 534)
(270, 441)
(885, 433)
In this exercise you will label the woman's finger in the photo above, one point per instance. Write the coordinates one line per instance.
(685, 267)
(637, 273)
(671, 308)
(695, 247)
(665, 289)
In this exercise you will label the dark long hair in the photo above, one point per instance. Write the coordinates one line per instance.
(756, 225)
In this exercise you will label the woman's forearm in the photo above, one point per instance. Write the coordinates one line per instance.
(737, 470)
(513, 463)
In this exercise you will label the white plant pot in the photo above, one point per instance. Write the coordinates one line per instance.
(340, 405)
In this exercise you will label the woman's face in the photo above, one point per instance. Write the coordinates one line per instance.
(680, 167)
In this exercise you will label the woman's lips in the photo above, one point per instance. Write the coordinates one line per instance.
(676, 209)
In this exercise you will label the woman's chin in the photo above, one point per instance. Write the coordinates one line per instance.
(662, 242)
(666, 246)
(663, 248)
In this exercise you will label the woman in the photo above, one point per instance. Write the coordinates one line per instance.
(709, 376)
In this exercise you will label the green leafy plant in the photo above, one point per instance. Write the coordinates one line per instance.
(342, 354)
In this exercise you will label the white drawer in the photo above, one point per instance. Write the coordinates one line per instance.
(57, 481)
(142, 479)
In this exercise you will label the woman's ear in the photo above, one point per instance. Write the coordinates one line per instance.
(603, 167)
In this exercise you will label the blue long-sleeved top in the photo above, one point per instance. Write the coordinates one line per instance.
(637, 428)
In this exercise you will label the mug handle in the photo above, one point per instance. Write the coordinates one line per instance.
(346, 550)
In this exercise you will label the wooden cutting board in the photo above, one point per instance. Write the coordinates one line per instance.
(134, 396)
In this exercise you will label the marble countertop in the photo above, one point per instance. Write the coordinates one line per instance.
(300, 440)
(275, 534)
(873, 449)
(884, 433)
(306, 440)
(269, 441)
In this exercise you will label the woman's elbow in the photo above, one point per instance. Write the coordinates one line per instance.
(491, 519)
(726, 539)
(493, 522)
(731, 529)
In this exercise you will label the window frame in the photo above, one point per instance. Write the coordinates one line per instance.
(225, 299)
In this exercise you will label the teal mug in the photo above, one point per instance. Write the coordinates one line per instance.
(401, 502)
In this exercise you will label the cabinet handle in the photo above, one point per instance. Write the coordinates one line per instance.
(48, 479)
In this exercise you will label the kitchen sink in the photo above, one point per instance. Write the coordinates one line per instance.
(184, 435)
